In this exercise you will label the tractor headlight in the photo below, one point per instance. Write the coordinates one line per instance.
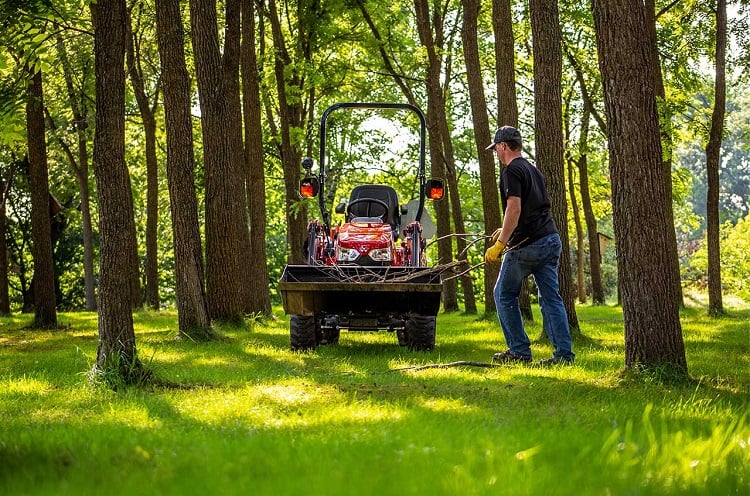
(381, 255)
(346, 254)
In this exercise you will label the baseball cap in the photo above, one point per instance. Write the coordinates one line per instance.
(505, 133)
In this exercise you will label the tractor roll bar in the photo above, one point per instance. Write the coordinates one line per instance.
(364, 105)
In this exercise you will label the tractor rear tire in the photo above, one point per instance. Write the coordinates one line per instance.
(303, 332)
(420, 332)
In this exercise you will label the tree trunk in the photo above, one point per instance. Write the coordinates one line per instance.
(260, 298)
(482, 136)
(226, 230)
(505, 65)
(665, 129)
(79, 107)
(507, 112)
(89, 280)
(545, 24)
(135, 71)
(134, 274)
(436, 106)
(580, 256)
(595, 256)
(442, 210)
(597, 287)
(233, 127)
(713, 155)
(4, 294)
(653, 334)
(45, 312)
(4, 283)
(116, 354)
(291, 116)
(192, 308)
(467, 285)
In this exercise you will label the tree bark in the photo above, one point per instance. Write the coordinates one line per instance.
(545, 25)
(233, 127)
(665, 129)
(580, 256)
(653, 334)
(148, 117)
(292, 116)
(227, 236)
(152, 174)
(482, 137)
(595, 256)
(260, 298)
(467, 283)
(117, 349)
(438, 156)
(89, 278)
(505, 65)
(507, 112)
(45, 312)
(193, 318)
(713, 156)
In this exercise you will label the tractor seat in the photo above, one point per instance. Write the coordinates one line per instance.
(380, 192)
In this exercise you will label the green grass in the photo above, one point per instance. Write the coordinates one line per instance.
(251, 417)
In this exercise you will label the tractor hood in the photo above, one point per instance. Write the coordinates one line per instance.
(366, 243)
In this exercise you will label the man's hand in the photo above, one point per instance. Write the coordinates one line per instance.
(496, 234)
(494, 252)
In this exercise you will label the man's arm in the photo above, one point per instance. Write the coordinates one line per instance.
(510, 219)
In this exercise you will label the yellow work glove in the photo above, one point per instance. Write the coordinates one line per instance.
(494, 252)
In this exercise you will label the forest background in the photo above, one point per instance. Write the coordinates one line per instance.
(257, 76)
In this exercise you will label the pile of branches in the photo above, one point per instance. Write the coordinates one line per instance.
(360, 274)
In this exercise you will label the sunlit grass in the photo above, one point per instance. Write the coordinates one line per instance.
(246, 415)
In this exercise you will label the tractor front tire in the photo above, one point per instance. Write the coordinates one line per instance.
(420, 332)
(328, 330)
(303, 332)
(331, 336)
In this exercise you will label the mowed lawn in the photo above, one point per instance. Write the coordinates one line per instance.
(245, 415)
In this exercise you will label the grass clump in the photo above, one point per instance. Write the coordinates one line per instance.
(247, 415)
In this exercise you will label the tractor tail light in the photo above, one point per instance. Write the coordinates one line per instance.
(306, 190)
(434, 189)
(308, 187)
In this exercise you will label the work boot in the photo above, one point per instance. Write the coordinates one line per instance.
(549, 362)
(508, 357)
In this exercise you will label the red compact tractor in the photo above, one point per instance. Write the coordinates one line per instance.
(368, 273)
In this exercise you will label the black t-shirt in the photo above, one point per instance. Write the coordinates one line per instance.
(522, 179)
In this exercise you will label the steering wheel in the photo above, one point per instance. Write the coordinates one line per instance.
(372, 204)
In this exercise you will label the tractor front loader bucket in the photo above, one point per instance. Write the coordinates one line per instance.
(315, 289)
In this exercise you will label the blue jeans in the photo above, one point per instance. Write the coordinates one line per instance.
(541, 259)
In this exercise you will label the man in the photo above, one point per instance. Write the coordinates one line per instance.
(534, 247)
